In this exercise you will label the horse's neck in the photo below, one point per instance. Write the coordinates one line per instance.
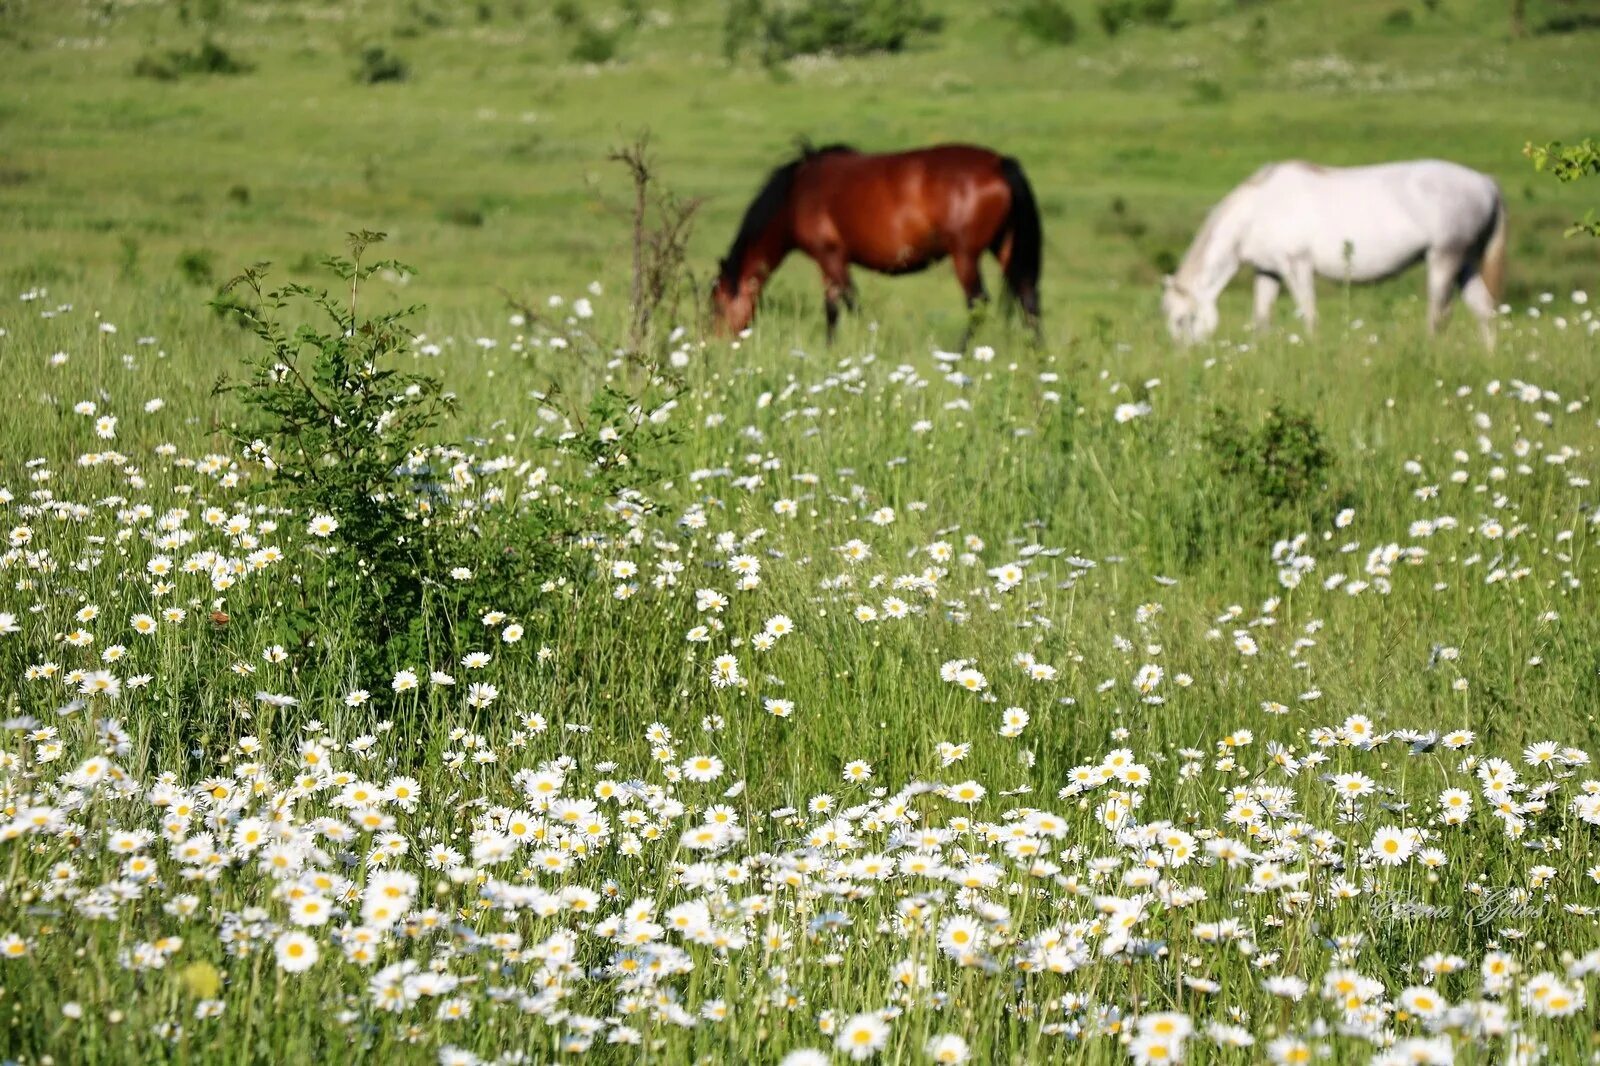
(1213, 258)
(767, 251)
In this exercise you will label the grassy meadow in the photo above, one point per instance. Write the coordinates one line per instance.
(1096, 701)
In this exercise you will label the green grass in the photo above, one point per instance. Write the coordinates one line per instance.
(1488, 624)
(495, 122)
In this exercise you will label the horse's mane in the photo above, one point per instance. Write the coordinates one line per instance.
(1208, 229)
(768, 202)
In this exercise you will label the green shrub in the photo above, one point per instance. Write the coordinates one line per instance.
(196, 266)
(1282, 461)
(1572, 162)
(209, 58)
(337, 428)
(744, 24)
(568, 14)
(1399, 19)
(1047, 21)
(468, 216)
(1117, 15)
(349, 444)
(377, 64)
(1564, 22)
(595, 45)
(1207, 91)
(825, 27)
(855, 27)
(592, 43)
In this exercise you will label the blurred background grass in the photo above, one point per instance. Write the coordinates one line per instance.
(476, 134)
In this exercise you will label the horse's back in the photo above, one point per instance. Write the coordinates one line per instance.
(1366, 222)
(897, 212)
(1414, 177)
(940, 163)
(954, 155)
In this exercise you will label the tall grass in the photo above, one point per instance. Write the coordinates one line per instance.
(1058, 521)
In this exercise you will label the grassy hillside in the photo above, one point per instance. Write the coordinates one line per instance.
(487, 162)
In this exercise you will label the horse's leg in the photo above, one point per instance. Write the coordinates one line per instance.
(836, 287)
(1444, 267)
(1301, 278)
(1267, 288)
(971, 279)
(831, 301)
(1475, 294)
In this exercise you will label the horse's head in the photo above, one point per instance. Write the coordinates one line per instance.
(733, 301)
(1190, 318)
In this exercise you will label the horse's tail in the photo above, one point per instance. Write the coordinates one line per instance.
(1027, 238)
(1493, 267)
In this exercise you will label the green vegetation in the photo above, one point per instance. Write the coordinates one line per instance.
(497, 118)
(475, 664)
(208, 58)
(377, 64)
(778, 31)
(1050, 21)
(1283, 460)
(1570, 163)
(1118, 15)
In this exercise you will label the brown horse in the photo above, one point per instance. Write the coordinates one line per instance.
(894, 214)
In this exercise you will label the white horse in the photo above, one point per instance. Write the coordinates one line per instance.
(1291, 221)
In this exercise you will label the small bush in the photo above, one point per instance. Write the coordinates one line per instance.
(568, 14)
(1207, 91)
(1114, 15)
(339, 430)
(196, 266)
(1569, 22)
(744, 23)
(464, 215)
(1117, 15)
(1399, 19)
(591, 43)
(1047, 21)
(1283, 460)
(209, 58)
(855, 27)
(347, 439)
(377, 65)
(594, 45)
(825, 27)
